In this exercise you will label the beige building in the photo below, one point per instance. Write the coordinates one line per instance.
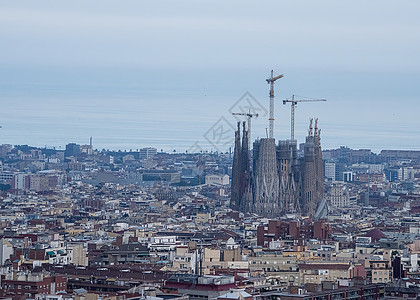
(338, 195)
(272, 262)
(217, 179)
(279, 268)
(222, 259)
(317, 272)
(185, 259)
(232, 254)
(6, 250)
(381, 271)
(202, 218)
(211, 259)
(78, 255)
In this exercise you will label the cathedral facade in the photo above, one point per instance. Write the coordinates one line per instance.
(277, 181)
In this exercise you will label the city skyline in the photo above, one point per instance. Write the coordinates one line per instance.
(71, 71)
(128, 170)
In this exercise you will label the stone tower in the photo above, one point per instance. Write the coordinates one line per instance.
(266, 187)
(312, 185)
(236, 171)
(287, 166)
(240, 168)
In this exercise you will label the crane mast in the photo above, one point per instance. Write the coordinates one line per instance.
(271, 81)
(293, 103)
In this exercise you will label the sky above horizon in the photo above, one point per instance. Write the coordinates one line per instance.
(164, 73)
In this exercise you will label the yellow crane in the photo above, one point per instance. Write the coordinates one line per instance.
(294, 102)
(250, 116)
(271, 81)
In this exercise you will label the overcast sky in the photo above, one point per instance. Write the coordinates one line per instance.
(337, 35)
(360, 55)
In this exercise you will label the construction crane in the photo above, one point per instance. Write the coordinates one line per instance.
(271, 81)
(250, 116)
(294, 102)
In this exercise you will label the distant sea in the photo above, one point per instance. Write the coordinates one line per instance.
(183, 118)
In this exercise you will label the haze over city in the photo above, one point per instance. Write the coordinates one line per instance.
(162, 73)
(209, 150)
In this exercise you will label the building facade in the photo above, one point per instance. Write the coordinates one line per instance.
(279, 182)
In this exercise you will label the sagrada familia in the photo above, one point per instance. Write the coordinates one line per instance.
(277, 181)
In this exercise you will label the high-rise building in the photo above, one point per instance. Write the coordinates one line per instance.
(329, 168)
(338, 195)
(72, 149)
(279, 182)
(148, 152)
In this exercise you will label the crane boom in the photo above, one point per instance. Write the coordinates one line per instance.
(271, 81)
(249, 115)
(294, 102)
